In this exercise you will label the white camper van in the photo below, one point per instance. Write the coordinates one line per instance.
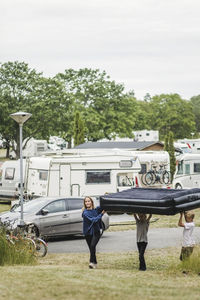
(33, 148)
(187, 173)
(81, 175)
(148, 160)
(10, 179)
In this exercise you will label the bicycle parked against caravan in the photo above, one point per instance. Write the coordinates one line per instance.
(155, 175)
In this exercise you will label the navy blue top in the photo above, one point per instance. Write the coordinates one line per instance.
(92, 220)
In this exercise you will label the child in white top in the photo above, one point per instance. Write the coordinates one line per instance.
(188, 241)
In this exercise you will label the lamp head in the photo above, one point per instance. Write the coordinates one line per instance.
(20, 117)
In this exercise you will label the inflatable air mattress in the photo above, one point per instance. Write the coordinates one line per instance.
(154, 201)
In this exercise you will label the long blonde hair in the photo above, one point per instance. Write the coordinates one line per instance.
(84, 206)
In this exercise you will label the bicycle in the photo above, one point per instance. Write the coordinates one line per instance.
(41, 245)
(156, 176)
(18, 239)
(24, 237)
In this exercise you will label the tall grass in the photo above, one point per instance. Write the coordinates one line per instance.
(12, 254)
(191, 264)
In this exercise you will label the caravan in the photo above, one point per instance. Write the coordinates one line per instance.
(33, 148)
(81, 175)
(187, 173)
(158, 161)
(10, 179)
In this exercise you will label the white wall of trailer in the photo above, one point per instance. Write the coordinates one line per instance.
(187, 173)
(146, 158)
(80, 174)
(193, 144)
(10, 179)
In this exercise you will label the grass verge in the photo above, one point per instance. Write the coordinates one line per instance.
(67, 276)
(4, 207)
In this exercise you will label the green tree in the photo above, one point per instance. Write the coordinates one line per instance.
(169, 147)
(107, 111)
(195, 101)
(79, 130)
(171, 152)
(23, 89)
(171, 113)
(166, 143)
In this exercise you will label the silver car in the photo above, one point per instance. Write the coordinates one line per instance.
(52, 216)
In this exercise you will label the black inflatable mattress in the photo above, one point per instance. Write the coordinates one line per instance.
(154, 201)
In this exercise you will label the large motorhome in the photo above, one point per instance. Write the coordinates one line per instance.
(78, 172)
(187, 173)
(148, 160)
(81, 175)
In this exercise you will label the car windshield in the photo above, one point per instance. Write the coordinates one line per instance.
(32, 206)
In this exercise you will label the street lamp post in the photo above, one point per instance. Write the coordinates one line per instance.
(21, 117)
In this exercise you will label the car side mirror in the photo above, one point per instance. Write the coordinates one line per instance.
(44, 212)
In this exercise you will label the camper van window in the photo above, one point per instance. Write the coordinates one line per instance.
(143, 169)
(40, 147)
(196, 167)
(97, 177)
(56, 206)
(9, 173)
(187, 169)
(180, 167)
(43, 175)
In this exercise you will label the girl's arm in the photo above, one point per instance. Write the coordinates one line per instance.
(92, 219)
(99, 209)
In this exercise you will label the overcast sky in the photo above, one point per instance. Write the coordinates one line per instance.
(151, 46)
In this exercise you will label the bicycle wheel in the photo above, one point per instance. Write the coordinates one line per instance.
(166, 177)
(149, 178)
(29, 245)
(143, 179)
(41, 248)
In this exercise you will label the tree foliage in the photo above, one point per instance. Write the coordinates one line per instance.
(79, 130)
(23, 89)
(103, 106)
(106, 109)
(172, 113)
(196, 110)
(169, 147)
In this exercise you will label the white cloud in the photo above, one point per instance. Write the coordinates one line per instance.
(149, 45)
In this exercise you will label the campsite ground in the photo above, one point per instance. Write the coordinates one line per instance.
(67, 276)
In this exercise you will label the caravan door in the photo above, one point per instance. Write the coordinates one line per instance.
(64, 188)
